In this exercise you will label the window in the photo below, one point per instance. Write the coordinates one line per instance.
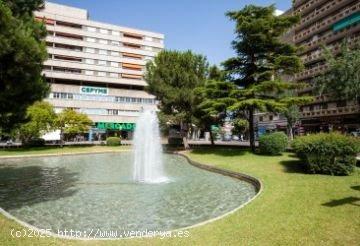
(89, 61)
(92, 40)
(103, 31)
(148, 48)
(133, 46)
(103, 41)
(101, 62)
(133, 36)
(271, 117)
(103, 52)
(114, 64)
(102, 74)
(115, 33)
(87, 72)
(114, 53)
(115, 43)
(261, 118)
(113, 75)
(150, 39)
(91, 29)
(90, 50)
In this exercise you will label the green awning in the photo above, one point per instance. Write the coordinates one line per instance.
(347, 21)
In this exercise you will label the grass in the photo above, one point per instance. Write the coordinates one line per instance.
(293, 209)
(46, 150)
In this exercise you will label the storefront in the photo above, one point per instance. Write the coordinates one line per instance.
(102, 130)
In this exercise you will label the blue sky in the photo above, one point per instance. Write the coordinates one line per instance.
(198, 25)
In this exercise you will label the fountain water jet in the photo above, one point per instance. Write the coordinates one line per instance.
(148, 165)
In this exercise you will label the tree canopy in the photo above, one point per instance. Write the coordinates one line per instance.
(342, 78)
(22, 53)
(172, 77)
(41, 119)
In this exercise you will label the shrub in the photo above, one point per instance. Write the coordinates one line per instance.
(327, 153)
(175, 141)
(113, 141)
(273, 143)
(34, 142)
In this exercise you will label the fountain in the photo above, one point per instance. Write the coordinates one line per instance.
(148, 164)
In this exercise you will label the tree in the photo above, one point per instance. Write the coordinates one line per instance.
(292, 115)
(172, 77)
(22, 53)
(241, 126)
(342, 79)
(262, 59)
(41, 118)
(71, 122)
(212, 100)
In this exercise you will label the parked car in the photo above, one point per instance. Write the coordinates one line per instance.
(355, 133)
(226, 137)
(235, 138)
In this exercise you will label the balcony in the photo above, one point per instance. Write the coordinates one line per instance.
(312, 72)
(335, 49)
(303, 7)
(331, 37)
(324, 10)
(326, 23)
(353, 109)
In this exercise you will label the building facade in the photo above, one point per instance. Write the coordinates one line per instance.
(326, 23)
(97, 68)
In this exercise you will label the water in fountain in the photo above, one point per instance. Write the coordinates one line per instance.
(148, 166)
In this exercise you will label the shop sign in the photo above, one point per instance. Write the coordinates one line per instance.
(115, 126)
(93, 90)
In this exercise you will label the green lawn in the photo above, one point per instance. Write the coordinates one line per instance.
(293, 209)
(47, 150)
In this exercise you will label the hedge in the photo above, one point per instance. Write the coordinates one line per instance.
(327, 153)
(113, 141)
(273, 143)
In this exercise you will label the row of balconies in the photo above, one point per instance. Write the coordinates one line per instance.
(80, 75)
(354, 109)
(312, 72)
(335, 49)
(302, 7)
(321, 12)
(97, 30)
(331, 37)
(325, 24)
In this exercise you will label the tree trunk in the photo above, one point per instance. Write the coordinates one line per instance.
(251, 130)
(184, 133)
(211, 137)
(291, 134)
(61, 138)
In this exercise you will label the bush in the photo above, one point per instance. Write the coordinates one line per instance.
(175, 141)
(327, 153)
(34, 142)
(113, 141)
(273, 143)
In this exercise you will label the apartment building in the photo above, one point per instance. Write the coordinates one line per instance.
(326, 23)
(323, 23)
(97, 68)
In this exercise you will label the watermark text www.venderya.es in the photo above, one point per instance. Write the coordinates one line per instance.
(97, 233)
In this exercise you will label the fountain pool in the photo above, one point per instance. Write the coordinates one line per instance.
(97, 191)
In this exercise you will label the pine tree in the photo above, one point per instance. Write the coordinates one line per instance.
(262, 60)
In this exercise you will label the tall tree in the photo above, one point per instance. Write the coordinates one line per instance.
(342, 78)
(211, 103)
(41, 118)
(172, 77)
(71, 122)
(262, 59)
(22, 53)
